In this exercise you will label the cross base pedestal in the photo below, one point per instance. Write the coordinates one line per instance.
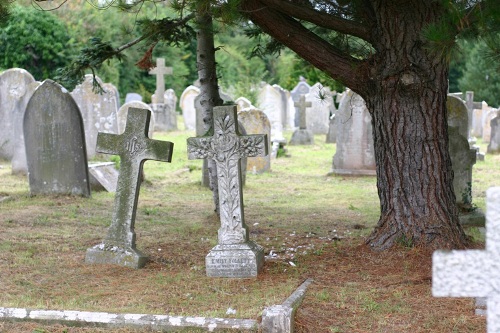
(108, 254)
(302, 137)
(235, 261)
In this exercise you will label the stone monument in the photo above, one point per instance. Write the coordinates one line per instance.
(302, 136)
(55, 143)
(160, 71)
(494, 145)
(134, 148)
(474, 273)
(235, 255)
(256, 122)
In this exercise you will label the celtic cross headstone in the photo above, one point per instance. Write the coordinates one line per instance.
(235, 255)
(474, 273)
(160, 70)
(134, 147)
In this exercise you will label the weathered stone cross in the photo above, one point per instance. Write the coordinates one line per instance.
(302, 105)
(159, 71)
(134, 148)
(474, 273)
(235, 256)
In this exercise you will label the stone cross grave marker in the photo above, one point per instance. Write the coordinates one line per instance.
(474, 273)
(160, 70)
(302, 136)
(235, 255)
(134, 147)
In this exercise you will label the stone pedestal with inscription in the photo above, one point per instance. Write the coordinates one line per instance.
(235, 255)
(235, 260)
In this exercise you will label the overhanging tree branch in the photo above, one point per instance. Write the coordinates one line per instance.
(324, 20)
(306, 44)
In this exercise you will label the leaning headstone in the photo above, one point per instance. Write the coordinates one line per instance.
(134, 148)
(187, 106)
(160, 71)
(318, 115)
(270, 102)
(55, 143)
(355, 153)
(103, 176)
(302, 136)
(474, 273)
(458, 115)
(98, 111)
(133, 97)
(16, 88)
(301, 88)
(494, 145)
(123, 114)
(256, 122)
(235, 255)
(493, 113)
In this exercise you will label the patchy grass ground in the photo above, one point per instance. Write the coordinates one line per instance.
(312, 226)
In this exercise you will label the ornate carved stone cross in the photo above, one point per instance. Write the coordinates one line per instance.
(474, 273)
(160, 70)
(134, 148)
(235, 256)
(302, 105)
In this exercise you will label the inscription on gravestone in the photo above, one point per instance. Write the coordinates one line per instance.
(134, 147)
(235, 255)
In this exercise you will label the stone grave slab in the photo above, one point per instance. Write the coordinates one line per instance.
(187, 106)
(235, 255)
(270, 102)
(165, 114)
(474, 273)
(256, 122)
(458, 115)
(55, 143)
(302, 136)
(99, 111)
(103, 176)
(134, 148)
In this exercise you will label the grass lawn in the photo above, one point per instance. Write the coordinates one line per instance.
(313, 225)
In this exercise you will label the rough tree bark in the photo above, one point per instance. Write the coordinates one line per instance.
(404, 85)
(209, 87)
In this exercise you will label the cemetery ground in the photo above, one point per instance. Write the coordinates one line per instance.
(311, 225)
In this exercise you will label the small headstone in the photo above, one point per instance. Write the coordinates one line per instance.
(256, 122)
(493, 113)
(235, 255)
(270, 102)
(103, 176)
(355, 153)
(302, 136)
(458, 115)
(494, 145)
(301, 88)
(98, 111)
(243, 104)
(474, 273)
(133, 97)
(134, 147)
(331, 136)
(123, 113)
(165, 114)
(55, 143)
(16, 88)
(477, 122)
(318, 115)
(160, 71)
(187, 106)
(287, 107)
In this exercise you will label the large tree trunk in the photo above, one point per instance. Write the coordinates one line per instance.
(209, 87)
(407, 101)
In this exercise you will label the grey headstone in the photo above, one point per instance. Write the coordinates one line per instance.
(133, 97)
(301, 88)
(235, 255)
(99, 112)
(166, 114)
(477, 122)
(462, 159)
(494, 145)
(490, 115)
(55, 144)
(270, 102)
(103, 176)
(355, 153)
(287, 108)
(160, 70)
(123, 113)
(16, 88)
(134, 148)
(318, 115)
(302, 135)
(474, 273)
(256, 122)
(187, 106)
(458, 115)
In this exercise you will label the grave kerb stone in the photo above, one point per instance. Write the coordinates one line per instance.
(235, 255)
(160, 70)
(134, 147)
(474, 273)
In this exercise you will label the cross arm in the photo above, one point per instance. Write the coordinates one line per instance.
(107, 143)
(254, 145)
(159, 150)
